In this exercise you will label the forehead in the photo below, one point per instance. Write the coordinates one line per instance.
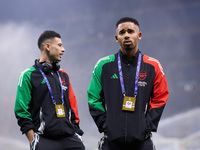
(127, 25)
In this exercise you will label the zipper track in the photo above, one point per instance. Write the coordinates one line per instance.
(126, 117)
(126, 130)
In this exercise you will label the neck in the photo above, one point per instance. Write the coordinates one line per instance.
(45, 58)
(129, 53)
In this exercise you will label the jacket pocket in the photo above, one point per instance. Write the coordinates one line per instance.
(143, 130)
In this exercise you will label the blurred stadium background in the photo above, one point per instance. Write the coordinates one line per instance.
(171, 33)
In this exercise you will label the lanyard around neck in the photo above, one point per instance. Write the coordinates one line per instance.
(49, 87)
(136, 76)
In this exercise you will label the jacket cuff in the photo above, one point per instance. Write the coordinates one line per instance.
(26, 128)
(102, 126)
(25, 124)
(149, 126)
(78, 130)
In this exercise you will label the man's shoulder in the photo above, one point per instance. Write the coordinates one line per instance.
(104, 60)
(154, 62)
(26, 75)
(63, 72)
(28, 71)
(150, 60)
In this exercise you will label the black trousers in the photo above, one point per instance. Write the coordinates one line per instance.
(64, 143)
(145, 145)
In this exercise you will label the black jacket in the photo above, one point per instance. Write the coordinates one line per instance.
(35, 109)
(105, 97)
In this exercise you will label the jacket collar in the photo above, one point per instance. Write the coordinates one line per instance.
(125, 59)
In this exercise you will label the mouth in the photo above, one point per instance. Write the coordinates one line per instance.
(60, 55)
(127, 42)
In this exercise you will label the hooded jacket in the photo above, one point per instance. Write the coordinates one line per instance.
(105, 97)
(34, 108)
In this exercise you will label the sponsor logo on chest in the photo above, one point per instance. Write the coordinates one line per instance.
(63, 84)
(64, 87)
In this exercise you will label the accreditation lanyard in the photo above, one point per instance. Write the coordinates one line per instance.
(49, 87)
(136, 76)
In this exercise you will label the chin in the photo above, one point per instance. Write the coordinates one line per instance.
(59, 59)
(127, 49)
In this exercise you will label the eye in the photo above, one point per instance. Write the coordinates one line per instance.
(130, 31)
(121, 32)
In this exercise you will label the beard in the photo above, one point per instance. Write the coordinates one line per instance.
(128, 47)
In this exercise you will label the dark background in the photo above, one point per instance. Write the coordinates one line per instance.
(171, 34)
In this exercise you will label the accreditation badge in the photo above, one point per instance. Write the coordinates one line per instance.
(129, 103)
(60, 110)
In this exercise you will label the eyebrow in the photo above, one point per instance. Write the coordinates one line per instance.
(121, 31)
(126, 30)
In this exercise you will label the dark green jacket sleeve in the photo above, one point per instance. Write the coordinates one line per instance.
(23, 98)
(95, 94)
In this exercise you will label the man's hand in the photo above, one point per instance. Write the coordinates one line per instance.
(30, 135)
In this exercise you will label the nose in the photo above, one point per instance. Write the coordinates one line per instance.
(63, 50)
(126, 35)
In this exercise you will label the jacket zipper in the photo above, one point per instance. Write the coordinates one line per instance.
(126, 128)
(126, 118)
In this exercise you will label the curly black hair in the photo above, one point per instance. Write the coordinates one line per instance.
(127, 19)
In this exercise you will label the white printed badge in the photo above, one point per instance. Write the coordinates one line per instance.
(60, 110)
(129, 103)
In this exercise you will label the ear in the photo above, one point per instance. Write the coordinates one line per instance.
(116, 38)
(47, 46)
(140, 35)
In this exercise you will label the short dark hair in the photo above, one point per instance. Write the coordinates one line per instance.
(127, 19)
(48, 34)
